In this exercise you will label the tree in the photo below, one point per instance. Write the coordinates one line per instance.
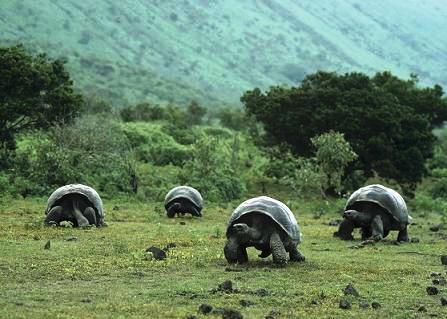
(386, 120)
(35, 92)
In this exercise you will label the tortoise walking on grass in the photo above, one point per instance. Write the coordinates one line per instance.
(268, 225)
(183, 200)
(377, 210)
(76, 203)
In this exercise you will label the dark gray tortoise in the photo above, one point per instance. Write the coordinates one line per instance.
(76, 203)
(266, 224)
(376, 210)
(183, 200)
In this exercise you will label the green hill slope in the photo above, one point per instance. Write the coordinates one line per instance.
(212, 51)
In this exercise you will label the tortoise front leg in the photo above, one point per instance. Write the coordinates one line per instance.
(377, 228)
(345, 230)
(173, 209)
(295, 254)
(55, 215)
(366, 233)
(242, 256)
(403, 235)
(231, 251)
(279, 253)
(90, 214)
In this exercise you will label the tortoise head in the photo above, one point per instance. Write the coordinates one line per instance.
(359, 218)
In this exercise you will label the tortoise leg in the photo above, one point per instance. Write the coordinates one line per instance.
(195, 211)
(345, 230)
(173, 209)
(377, 228)
(242, 256)
(278, 251)
(265, 253)
(90, 214)
(231, 250)
(55, 216)
(295, 254)
(366, 233)
(403, 235)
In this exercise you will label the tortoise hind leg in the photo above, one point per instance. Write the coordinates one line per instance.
(55, 216)
(345, 230)
(403, 235)
(278, 251)
(377, 228)
(90, 214)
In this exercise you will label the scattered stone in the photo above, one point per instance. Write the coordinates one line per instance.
(182, 223)
(158, 253)
(314, 302)
(439, 281)
(71, 238)
(116, 207)
(36, 237)
(169, 246)
(350, 290)
(435, 274)
(414, 240)
(444, 301)
(86, 300)
(444, 259)
(432, 290)
(227, 313)
(335, 222)
(344, 304)
(436, 228)
(422, 309)
(364, 304)
(246, 303)
(205, 308)
(47, 245)
(262, 292)
(376, 305)
(226, 286)
(191, 317)
(272, 314)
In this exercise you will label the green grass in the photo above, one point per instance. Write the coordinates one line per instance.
(105, 273)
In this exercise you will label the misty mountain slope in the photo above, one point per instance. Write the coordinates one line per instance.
(212, 51)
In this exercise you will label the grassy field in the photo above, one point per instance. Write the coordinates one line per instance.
(105, 273)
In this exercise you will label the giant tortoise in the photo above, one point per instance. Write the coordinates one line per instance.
(183, 200)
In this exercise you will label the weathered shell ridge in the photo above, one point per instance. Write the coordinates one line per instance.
(276, 210)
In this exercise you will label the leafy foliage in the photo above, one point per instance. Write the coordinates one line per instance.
(35, 92)
(391, 134)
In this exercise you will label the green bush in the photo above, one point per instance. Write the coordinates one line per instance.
(145, 112)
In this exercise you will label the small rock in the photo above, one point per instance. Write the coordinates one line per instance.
(414, 240)
(226, 286)
(71, 238)
(344, 304)
(314, 302)
(86, 300)
(364, 304)
(439, 281)
(432, 290)
(444, 301)
(169, 246)
(246, 303)
(191, 317)
(36, 237)
(157, 253)
(47, 245)
(350, 290)
(422, 309)
(262, 292)
(227, 313)
(444, 259)
(376, 305)
(116, 207)
(272, 314)
(436, 228)
(205, 308)
(182, 223)
(435, 274)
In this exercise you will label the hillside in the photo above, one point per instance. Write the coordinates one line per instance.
(212, 51)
